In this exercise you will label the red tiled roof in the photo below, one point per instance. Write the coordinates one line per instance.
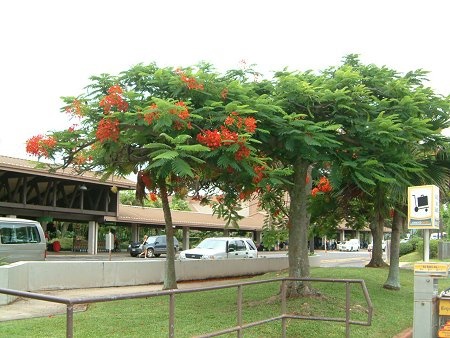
(143, 215)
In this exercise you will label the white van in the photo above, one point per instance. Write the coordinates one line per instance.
(21, 240)
(438, 235)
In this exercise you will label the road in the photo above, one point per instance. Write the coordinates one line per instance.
(326, 258)
(354, 259)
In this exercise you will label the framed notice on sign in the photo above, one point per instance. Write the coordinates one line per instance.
(423, 207)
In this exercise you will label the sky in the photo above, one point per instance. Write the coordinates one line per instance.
(49, 49)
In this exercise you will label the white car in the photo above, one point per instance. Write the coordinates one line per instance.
(383, 246)
(222, 248)
(351, 245)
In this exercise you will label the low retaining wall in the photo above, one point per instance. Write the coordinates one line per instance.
(34, 276)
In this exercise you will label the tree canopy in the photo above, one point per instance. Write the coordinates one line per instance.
(344, 142)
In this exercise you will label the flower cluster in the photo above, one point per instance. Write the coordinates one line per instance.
(243, 152)
(259, 173)
(249, 123)
(81, 159)
(75, 108)
(114, 99)
(145, 177)
(214, 138)
(323, 186)
(225, 137)
(152, 115)
(40, 145)
(190, 82)
(108, 129)
(180, 110)
(210, 138)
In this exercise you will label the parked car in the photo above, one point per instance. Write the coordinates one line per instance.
(222, 248)
(351, 245)
(157, 245)
(383, 246)
(340, 245)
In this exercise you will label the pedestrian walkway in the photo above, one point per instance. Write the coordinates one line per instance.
(24, 308)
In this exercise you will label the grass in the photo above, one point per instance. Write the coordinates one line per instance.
(200, 313)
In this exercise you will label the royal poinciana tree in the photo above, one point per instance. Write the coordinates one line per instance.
(179, 130)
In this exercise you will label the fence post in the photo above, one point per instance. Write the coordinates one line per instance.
(239, 311)
(283, 308)
(347, 309)
(172, 315)
(69, 321)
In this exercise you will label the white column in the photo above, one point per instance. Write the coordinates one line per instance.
(93, 237)
(185, 238)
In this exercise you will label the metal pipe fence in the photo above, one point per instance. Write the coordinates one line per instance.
(240, 325)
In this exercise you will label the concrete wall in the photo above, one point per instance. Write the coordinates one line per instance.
(443, 250)
(34, 276)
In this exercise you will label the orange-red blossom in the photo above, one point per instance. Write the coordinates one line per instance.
(40, 145)
(323, 186)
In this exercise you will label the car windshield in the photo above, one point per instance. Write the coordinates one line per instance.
(151, 240)
(211, 243)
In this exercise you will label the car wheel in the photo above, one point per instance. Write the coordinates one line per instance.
(150, 253)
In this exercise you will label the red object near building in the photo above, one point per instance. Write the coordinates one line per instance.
(56, 246)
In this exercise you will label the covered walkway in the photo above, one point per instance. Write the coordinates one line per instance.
(33, 190)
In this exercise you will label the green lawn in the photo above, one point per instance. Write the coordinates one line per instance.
(200, 313)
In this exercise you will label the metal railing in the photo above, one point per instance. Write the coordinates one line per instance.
(240, 326)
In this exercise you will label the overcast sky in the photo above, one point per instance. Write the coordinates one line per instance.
(50, 48)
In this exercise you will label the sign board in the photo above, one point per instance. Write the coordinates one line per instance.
(444, 307)
(444, 332)
(431, 269)
(109, 241)
(423, 207)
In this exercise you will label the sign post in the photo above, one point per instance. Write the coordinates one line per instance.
(423, 212)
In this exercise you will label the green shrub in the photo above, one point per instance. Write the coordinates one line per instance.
(415, 241)
(433, 248)
(406, 248)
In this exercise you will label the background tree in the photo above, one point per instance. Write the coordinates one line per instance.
(295, 111)
(373, 125)
(392, 138)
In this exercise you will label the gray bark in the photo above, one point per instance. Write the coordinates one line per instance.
(170, 279)
(377, 227)
(298, 230)
(393, 280)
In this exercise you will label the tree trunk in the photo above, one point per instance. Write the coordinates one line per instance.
(377, 227)
(298, 230)
(393, 280)
(170, 279)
